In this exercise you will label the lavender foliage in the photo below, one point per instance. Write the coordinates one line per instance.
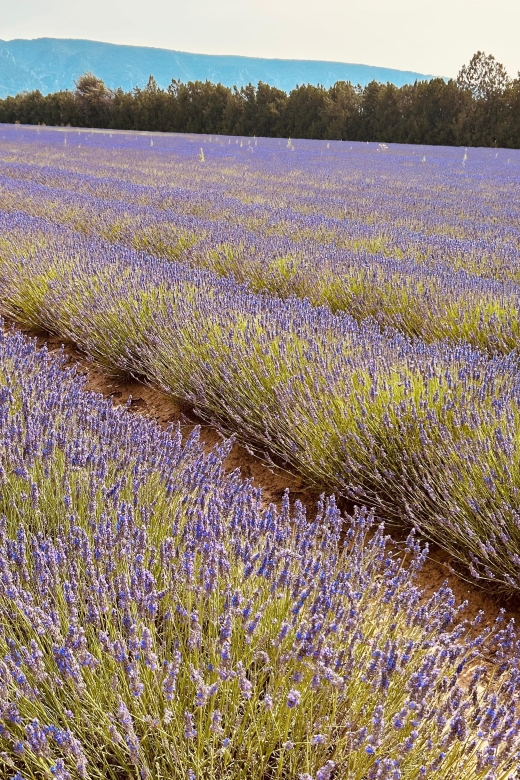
(158, 621)
(426, 433)
(422, 239)
(117, 241)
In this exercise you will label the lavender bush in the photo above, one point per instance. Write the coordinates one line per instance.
(427, 434)
(157, 621)
(424, 240)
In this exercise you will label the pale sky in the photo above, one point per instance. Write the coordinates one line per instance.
(427, 37)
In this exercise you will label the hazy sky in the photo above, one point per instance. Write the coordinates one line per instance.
(429, 37)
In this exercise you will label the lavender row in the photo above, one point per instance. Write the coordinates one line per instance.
(157, 622)
(426, 433)
(431, 303)
(433, 292)
(266, 197)
(431, 190)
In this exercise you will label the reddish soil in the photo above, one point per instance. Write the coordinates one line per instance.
(153, 403)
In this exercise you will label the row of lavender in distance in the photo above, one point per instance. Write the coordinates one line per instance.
(405, 190)
(278, 236)
(432, 303)
(426, 433)
(158, 622)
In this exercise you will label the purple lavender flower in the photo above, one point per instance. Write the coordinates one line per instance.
(170, 677)
(59, 771)
(293, 698)
(115, 585)
(325, 773)
(244, 683)
(318, 739)
(190, 732)
(216, 723)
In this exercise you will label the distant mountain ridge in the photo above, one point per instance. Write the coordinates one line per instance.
(52, 64)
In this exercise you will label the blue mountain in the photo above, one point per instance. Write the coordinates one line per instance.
(52, 64)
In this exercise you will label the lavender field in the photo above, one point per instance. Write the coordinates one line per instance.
(347, 311)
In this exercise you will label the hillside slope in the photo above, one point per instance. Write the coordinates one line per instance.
(51, 64)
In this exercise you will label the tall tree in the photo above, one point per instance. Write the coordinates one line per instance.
(487, 81)
(307, 112)
(484, 77)
(344, 111)
(93, 99)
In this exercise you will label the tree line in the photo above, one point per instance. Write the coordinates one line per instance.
(481, 107)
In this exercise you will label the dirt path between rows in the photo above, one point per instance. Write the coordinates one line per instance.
(150, 402)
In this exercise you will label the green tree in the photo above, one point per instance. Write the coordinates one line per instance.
(435, 111)
(343, 112)
(484, 77)
(307, 112)
(480, 108)
(93, 99)
(259, 110)
(487, 81)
